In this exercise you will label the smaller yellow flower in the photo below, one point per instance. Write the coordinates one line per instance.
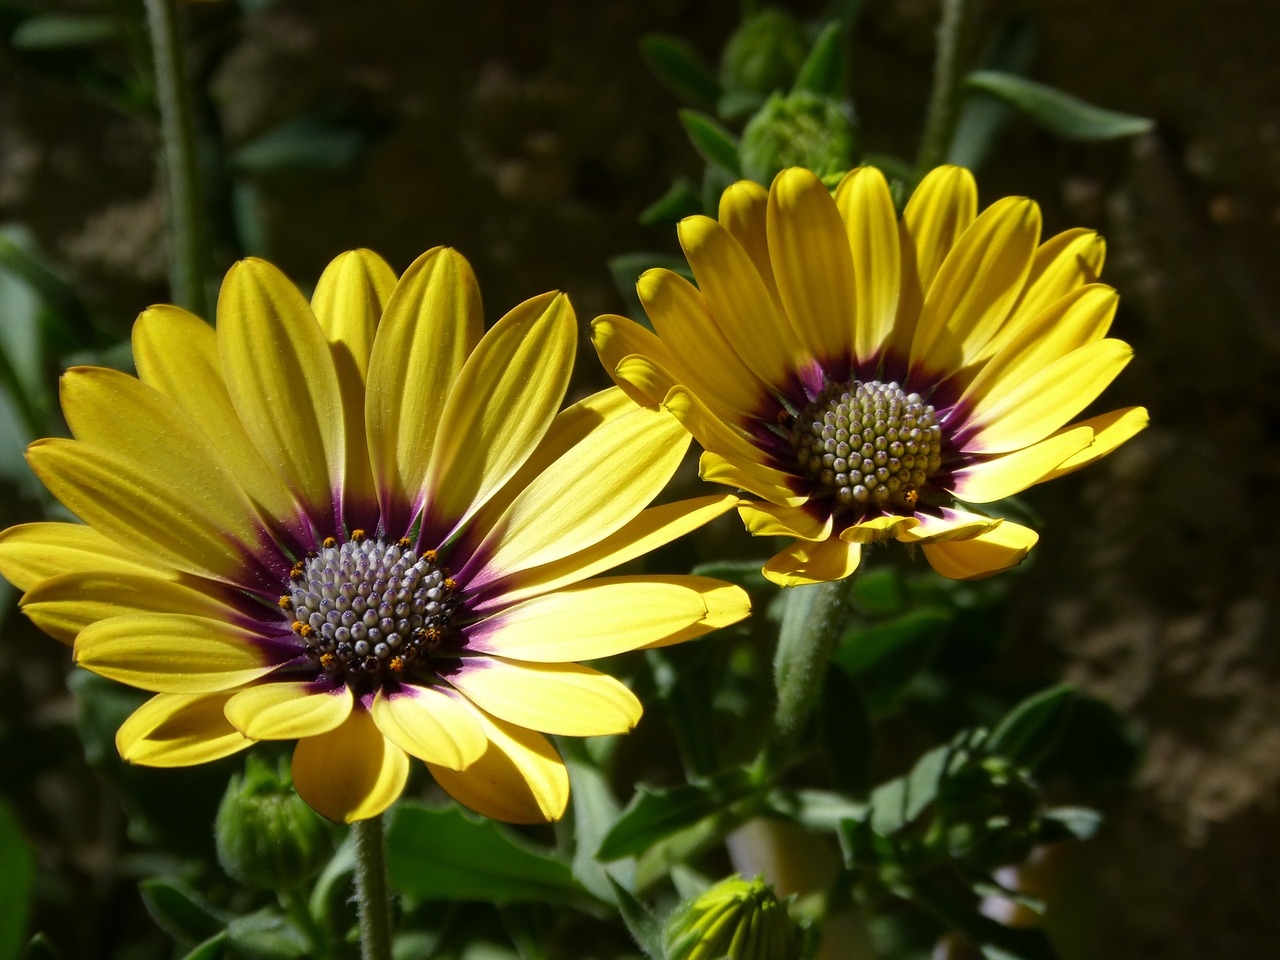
(868, 378)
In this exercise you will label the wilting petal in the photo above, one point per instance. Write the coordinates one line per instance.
(804, 562)
(350, 773)
(177, 730)
(999, 548)
(773, 485)
(433, 724)
(953, 524)
(288, 710)
(875, 529)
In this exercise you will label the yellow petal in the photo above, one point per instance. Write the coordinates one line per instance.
(432, 724)
(813, 266)
(1003, 546)
(289, 710)
(953, 524)
(1012, 473)
(280, 374)
(177, 354)
(519, 779)
(744, 213)
(598, 619)
(871, 226)
(32, 552)
(713, 433)
(804, 562)
(64, 605)
(1013, 414)
(682, 318)
(741, 304)
(617, 340)
(174, 653)
(726, 604)
(587, 494)
(651, 529)
(177, 730)
(350, 773)
(1109, 431)
(773, 485)
(500, 406)
(645, 377)
(876, 529)
(186, 522)
(561, 698)
(1062, 264)
(432, 323)
(348, 301)
(976, 286)
(771, 520)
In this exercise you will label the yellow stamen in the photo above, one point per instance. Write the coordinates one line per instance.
(404, 543)
(430, 556)
(357, 535)
(297, 626)
(396, 664)
(327, 660)
(285, 602)
(330, 542)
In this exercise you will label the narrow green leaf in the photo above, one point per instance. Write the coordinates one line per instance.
(17, 869)
(1029, 731)
(63, 31)
(982, 116)
(266, 935)
(40, 947)
(645, 928)
(677, 63)
(1058, 112)
(900, 801)
(655, 814)
(884, 657)
(826, 68)
(211, 949)
(180, 911)
(320, 140)
(1079, 822)
(445, 854)
(713, 142)
(595, 810)
(681, 200)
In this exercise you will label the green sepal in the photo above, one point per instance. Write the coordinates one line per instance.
(1060, 113)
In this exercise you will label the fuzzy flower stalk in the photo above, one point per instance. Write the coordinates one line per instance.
(869, 377)
(363, 524)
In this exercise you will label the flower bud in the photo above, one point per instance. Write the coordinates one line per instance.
(764, 54)
(736, 920)
(801, 129)
(267, 836)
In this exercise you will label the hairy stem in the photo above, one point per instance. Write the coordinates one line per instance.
(371, 889)
(944, 100)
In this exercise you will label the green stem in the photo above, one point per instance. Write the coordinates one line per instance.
(371, 889)
(944, 100)
(188, 245)
(811, 624)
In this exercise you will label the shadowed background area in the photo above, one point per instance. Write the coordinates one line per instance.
(531, 142)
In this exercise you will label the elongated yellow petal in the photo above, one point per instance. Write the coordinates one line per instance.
(177, 354)
(682, 318)
(1014, 414)
(519, 779)
(348, 302)
(771, 520)
(713, 433)
(740, 302)
(726, 604)
(587, 494)
(804, 562)
(1012, 473)
(175, 653)
(280, 374)
(1062, 263)
(432, 724)
(1003, 546)
(1109, 431)
(871, 226)
(875, 529)
(812, 265)
(588, 621)
(562, 698)
(652, 528)
(32, 552)
(186, 522)
(432, 323)
(177, 730)
(773, 485)
(953, 524)
(976, 286)
(743, 212)
(288, 710)
(646, 378)
(617, 339)
(350, 773)
(64, 605)
(500, 406)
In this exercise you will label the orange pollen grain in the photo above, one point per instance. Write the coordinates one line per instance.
(307, 630)
(430, 556)
(330, 542)
(911, 496)
(395, 665)
(297, 626)
(284, 603)
(404, 543)
(327, 660)
(450, 584)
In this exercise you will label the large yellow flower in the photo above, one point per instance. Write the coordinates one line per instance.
(362, 524)
(867, 377)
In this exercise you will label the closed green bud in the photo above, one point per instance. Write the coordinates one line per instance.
(734, 920)
(764, 54)
(267, 836)
(801, 129)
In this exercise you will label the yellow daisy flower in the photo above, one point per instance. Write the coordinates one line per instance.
(867, 377)
(361, 524)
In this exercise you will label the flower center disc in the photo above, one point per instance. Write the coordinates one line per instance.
(868, 445)
(369, 610)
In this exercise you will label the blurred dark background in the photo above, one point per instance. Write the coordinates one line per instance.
(530, 137)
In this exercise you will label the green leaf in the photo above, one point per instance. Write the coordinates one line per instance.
(825, 69)
(816, 809)
(745, 573)
(332, 886)
(897, 803)
(657, 814)
(320, 140)
(595, 810)
(40, 947)
(266, 935)
(211, 949)
(62, 31)
(982, 116)
(645, 928)
(677, 64)
(884, 657)
(180, 911)
(681, 200)
(716, 144)
(1060, 113)
(17, 869)
(445, 854)
(739, 103)
(1030, 730)
(1078, 822)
